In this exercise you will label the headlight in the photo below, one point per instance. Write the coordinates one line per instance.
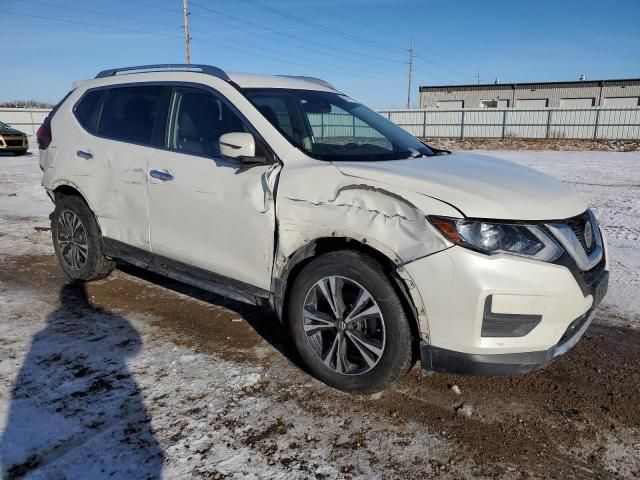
(492, 238)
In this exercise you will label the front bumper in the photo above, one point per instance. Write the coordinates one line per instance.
(436, 359)
(13, 143)
(455, 285)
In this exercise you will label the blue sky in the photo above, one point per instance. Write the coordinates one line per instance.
(358, 45)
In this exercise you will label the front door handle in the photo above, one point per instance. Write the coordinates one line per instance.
(160, 175)
(87, 155)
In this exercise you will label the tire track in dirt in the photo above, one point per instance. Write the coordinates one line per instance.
(564, 421)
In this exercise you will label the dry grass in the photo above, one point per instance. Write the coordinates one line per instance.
(535, 144)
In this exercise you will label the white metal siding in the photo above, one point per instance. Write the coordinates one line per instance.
(450, 104)
(27, 120)
(586, 123)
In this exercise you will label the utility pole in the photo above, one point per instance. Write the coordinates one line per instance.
(187, 38)
(477, 75)
(410, 74)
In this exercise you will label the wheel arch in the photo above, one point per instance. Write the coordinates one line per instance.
(400, 279)
(70, 189)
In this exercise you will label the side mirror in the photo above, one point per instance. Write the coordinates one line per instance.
(240, 146)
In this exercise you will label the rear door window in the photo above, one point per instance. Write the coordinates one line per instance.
(129, 113)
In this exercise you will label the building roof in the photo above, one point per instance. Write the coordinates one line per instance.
(502, 86)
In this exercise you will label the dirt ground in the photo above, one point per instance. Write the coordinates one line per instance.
(534, 144)
(577, 418)
(140, 377)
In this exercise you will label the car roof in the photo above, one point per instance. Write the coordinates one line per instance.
(243, 80)
(250, 80)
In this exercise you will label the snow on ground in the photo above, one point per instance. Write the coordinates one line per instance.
(100, 394)
(90, 387)
(610, 183)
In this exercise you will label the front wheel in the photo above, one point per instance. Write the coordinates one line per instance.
(349, 324)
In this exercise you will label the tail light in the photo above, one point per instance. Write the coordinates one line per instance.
(44, 134)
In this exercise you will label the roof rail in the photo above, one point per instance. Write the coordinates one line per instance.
(315, 80)
(206, 69)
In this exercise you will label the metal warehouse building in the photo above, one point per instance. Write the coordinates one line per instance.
(579, 94)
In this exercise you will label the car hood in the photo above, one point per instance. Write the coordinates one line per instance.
(479, 186)
(9, 131)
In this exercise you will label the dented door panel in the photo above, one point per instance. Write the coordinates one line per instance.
(113, 181)
(215, 215)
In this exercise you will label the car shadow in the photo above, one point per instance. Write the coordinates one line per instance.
(76, 411)
(263, 321)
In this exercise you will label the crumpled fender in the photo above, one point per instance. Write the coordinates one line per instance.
(390, 220)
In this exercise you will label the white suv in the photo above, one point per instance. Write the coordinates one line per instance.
(285, 193)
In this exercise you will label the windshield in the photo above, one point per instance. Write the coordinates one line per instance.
(332, 126)
(4, 125)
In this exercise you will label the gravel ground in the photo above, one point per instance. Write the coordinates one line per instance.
(137, 376)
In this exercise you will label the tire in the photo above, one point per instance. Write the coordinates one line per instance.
(80, 254)
(387, 331)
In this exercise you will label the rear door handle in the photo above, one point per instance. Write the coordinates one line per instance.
(160, 175)
(84, 154)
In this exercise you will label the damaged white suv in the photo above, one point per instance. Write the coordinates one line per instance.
(281, 191)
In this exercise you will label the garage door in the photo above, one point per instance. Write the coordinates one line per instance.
(621, 102)
(586, 102)
(532, 103)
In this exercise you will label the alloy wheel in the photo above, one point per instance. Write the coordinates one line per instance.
(344, 325)
(72, 240)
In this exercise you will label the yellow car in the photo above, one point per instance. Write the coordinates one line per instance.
(12, 140)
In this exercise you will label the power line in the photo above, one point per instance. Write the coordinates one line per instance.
(300, 39)
(271, 30)
(442, 67)
(323, 28)
(89, 24)
(157, 7)
(340, 33)
(295, 37)
(145, 32)
(93, 12)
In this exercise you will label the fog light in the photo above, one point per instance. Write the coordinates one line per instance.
(506, 324)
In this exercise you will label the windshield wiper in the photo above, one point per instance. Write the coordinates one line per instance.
(413, 153)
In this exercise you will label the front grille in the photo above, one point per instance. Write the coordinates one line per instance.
(589, 276)
(13, 140)
(577, 224)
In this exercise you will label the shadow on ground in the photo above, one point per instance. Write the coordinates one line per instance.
(75, 398)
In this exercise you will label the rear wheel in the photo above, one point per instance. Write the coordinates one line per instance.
(349, 324)
(76, 239)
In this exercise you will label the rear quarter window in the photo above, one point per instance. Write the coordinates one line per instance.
(129, 113)
(87, 111)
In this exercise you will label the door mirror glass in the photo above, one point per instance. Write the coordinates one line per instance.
(240, 146)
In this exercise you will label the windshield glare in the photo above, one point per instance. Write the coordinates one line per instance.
(332, 126)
